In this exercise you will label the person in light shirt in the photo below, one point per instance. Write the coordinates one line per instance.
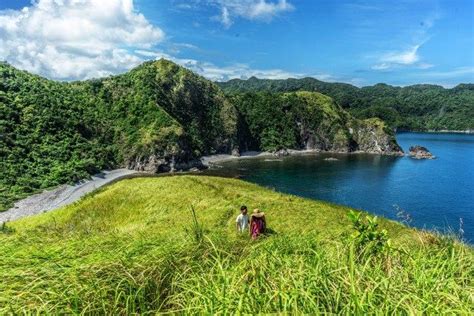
(242, 221)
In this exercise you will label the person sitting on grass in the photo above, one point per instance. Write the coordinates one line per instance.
(257, 223)
(242, 220)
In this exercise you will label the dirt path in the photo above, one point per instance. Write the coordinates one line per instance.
(62, 195)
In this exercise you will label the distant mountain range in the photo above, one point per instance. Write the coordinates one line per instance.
(157, 117)
(418, 107)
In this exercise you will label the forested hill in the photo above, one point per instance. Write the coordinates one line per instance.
(154, 117)
(157, 117)
(417, 107)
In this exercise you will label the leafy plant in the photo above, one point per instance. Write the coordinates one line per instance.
(368, 239)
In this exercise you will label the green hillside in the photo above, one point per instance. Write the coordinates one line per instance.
(307, 120)
(157, 117)
(153, 118)
(132, 248)
(417, 107)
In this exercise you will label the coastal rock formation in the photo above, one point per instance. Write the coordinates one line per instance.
(281, 153)
(420, 152)
(373, 136)
(303, 120)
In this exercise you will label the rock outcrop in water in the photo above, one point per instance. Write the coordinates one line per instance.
(420, 152)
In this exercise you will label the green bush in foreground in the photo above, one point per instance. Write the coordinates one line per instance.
(136, 247)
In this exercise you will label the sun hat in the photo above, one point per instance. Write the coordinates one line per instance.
(257, 213)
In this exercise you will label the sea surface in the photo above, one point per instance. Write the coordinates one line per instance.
(433, 194)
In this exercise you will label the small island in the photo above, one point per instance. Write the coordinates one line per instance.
(420, 152)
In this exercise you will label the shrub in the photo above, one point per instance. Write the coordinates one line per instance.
(367, 238)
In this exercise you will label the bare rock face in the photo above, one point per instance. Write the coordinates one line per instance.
(281, 153)
(157, 164)
(235, 152)
(373, 136)
(152, 164)
(420, 152)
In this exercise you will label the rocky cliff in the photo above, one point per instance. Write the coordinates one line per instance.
(308, 120)
(373, 136)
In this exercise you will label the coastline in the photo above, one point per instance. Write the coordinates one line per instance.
(441, 131)
(445, 131)
(65, 194)
(210, 160)
(62, 195)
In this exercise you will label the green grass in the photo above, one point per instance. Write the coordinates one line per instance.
(134, 247)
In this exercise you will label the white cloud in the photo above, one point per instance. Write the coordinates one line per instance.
(409, 56)
(261, 10)
(400, 58)
(81, 39)
(75, 39)
(425, 66)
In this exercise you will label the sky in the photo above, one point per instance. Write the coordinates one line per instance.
(362, 42)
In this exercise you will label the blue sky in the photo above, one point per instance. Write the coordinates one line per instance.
(361, 42)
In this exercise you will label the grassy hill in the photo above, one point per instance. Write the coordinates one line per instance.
(135, 247)
(418, 107)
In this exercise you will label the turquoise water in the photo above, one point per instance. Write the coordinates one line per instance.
(436, 194)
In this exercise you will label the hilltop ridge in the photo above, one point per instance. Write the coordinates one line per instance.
(420, 107)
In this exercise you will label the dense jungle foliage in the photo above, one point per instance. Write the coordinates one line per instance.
(53, 133)
(417, 107)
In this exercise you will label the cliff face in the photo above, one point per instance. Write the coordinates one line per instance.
(373, 136)
(309, 120)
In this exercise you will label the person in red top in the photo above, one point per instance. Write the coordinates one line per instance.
(257, 223)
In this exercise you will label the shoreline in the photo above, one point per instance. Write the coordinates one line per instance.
(51, 199)
(442, 131)
(210, 160)
(62, 195)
